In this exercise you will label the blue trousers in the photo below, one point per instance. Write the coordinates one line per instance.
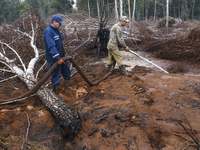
(61, 69)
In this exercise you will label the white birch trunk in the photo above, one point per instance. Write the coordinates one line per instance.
(147, 8)
(129, 12)
(89, 8)
(133, 16)
(167, 15)
(121, 8)
(98, 11)
(108, 10)
(154, 18)
(116, 11)
(186, 10)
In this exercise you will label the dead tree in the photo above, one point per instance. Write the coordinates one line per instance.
(21, 50)
(103, 32)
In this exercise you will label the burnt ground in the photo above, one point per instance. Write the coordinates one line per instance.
(146, 111)
(150, 110)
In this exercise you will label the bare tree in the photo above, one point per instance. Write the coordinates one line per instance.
(103, 32)
(98, 11)
(186, 10)
(154, 18)
(19, 55)
(116, 11)
(121, 8)
(193, 4)
(133, 15)
(167, 14)
(147, 10)
(129, 12)
(89, 8)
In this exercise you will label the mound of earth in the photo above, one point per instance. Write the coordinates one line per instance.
(150, 110)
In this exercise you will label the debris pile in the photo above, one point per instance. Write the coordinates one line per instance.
(186, 49)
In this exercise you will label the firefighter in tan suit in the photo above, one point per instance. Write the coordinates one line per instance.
(116, 40)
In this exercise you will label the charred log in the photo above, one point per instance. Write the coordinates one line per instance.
(102, 40)
(103, 34)
(66, 117)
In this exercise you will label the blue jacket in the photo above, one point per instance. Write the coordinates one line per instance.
(53, 44)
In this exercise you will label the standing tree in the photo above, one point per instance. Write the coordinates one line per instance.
(89, 8)
(192, 11)
(103, 32)
(17, 8)
(154, 17)
(121, 8)
(34, 4)
(98, 11)
(129, 12)
(60, 6)
(167, 15)
(185, 12)
(146, 10)
(116, 11)
(133, 16)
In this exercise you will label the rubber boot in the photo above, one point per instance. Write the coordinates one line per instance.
(56, 89)
(111, 66)
(66, 83)
(123, 71)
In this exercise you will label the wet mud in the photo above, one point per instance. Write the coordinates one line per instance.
(146, 111)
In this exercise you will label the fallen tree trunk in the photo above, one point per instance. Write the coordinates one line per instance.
(66, 117)
(47, 75)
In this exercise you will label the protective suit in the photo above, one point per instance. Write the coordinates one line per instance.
(54, 51)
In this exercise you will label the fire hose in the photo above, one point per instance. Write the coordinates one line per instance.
(148, 61)
(54, 66)
(51, 70)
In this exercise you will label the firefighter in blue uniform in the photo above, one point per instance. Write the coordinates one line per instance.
(54, 51)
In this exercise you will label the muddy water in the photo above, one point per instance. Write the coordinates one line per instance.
(131, 60)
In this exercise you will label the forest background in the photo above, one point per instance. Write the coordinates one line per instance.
(137, 10)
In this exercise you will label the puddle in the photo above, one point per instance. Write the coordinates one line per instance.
(166, 123)
(169, 77)
(192, 75)
(151, 89)
(132, 60)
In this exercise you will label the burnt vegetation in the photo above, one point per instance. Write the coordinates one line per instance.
(183, 47)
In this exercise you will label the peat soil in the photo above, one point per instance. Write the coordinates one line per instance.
(150, 110)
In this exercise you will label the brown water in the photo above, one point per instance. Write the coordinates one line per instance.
(131, 60)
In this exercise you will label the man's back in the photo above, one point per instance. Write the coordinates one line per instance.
(116, 38)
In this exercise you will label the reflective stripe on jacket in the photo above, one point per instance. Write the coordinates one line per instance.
(53, 44)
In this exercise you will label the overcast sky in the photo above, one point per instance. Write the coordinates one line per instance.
(75, 1)
(74, 6)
